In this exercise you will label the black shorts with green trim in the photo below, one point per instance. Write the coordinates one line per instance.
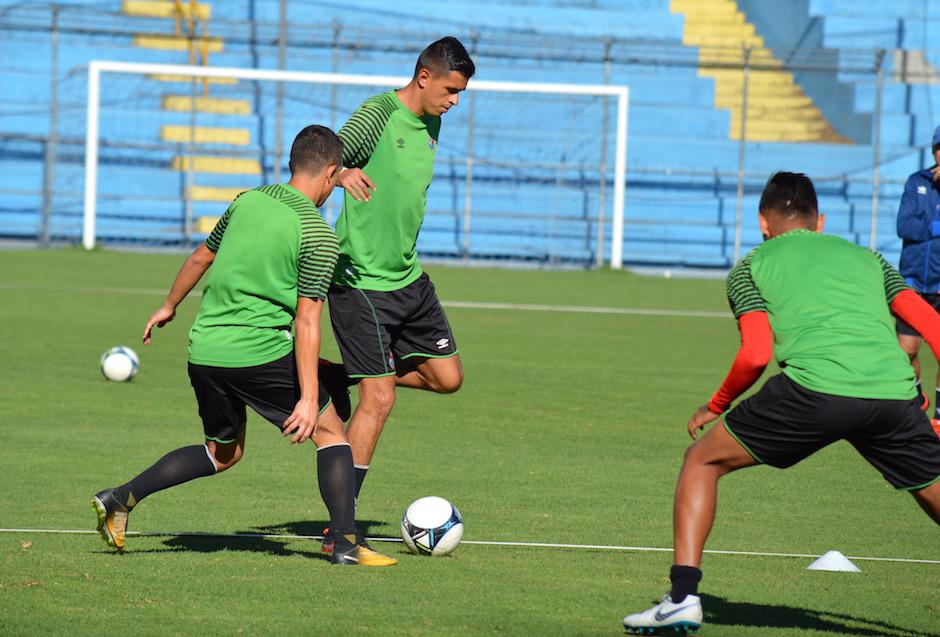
(380, 333)
(271, 389)
(785, 422)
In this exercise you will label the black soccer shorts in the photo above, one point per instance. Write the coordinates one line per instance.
(378, 331)
(785, 422)
(904, 328)
(222, 393)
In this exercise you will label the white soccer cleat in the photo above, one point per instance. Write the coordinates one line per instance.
(666, 616)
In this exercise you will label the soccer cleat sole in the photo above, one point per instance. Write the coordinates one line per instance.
(683, 628)
(102, 513)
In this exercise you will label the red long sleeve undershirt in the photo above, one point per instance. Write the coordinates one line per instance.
(757, 345)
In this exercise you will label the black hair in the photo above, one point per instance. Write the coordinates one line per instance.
(314, 148)
(445, 55)
(791, 195)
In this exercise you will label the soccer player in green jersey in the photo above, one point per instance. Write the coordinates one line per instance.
(385, 313)
(272, 259)
(822, 306)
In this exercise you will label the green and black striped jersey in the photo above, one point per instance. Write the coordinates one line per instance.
(271, 247)
(378, 238)
(828, 303)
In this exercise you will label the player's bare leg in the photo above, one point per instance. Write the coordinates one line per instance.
(376, 399)
(440, 375)
(713, 456)
(227, 454)
(929, 500)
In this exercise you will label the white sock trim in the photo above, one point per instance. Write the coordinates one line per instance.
(211, 458)
(337, 444)
(361, 466)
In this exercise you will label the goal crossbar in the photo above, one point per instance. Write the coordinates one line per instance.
(97, 67)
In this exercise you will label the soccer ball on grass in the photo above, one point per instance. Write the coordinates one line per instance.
(431, 526)
(119, 363)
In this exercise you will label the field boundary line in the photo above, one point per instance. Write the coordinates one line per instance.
(602, 547)
(464, 305)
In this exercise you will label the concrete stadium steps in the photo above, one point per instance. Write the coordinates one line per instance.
(166, 9)
(205, 134)
(177, 43)
(785, 113)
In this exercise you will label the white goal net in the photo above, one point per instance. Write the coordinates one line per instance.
(524, 171)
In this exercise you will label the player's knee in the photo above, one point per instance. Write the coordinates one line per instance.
(378, 400)
(451, 383)
(226, 456)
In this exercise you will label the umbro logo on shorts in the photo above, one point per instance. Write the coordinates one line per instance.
(442, 343)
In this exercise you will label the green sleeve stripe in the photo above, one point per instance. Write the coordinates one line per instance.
(894, 282)
(319, 247)
(743, 295)
(362, 132)
(214, 240)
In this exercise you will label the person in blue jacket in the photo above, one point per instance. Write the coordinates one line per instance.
(919, 227)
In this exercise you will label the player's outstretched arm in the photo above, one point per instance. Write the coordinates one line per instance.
(302, 422)
(909, 306)
(752, 358)
(186, 279)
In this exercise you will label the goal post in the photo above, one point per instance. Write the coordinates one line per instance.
(97, 68)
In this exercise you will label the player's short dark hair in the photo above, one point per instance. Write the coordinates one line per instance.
(314, 148)
(445, 55)
(791, 195)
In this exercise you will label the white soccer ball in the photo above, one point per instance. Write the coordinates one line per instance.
(119, 363)
(432, 526)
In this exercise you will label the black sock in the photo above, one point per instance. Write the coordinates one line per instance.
(936, 403)
(361, 470)
(337, 481)
(179, 466)
(685, 581)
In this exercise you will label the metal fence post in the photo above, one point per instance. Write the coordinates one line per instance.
(334, 66)
(602, 168)
(739, 206)
(48, 181)
(279, 109)
(876, 150)
(468, 186)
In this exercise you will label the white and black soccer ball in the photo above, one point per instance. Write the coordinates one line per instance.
(119, 364)
(431, 526)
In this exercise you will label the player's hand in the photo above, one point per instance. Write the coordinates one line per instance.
(302, 422)
(161, 317)
(356, 183)
(699, 419)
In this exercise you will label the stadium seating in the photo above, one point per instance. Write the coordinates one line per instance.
(684, 118)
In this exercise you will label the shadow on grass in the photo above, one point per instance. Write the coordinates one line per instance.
(723, 612)
(250, 540)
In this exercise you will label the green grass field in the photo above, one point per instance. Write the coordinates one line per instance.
(570, 428)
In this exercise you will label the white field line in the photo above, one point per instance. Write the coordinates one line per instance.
(600, 547)
(470, 305)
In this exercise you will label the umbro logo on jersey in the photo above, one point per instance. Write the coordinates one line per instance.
(922, 190)
(444, 342)
(400, 142)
